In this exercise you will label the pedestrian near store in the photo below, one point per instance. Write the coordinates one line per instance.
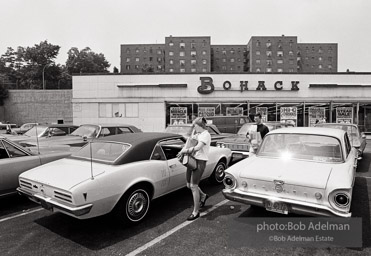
(262, 128)
(200, 152)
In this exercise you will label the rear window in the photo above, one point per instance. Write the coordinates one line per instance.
(102, 151)
(302, 146)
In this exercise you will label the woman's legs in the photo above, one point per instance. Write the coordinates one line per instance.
(196, 190)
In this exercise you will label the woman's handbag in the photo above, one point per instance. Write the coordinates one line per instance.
(189, 160)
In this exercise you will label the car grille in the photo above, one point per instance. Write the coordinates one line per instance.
(63, 196)
(25, 184)
(237, 147)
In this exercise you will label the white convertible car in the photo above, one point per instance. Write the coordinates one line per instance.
(119, 174)
(303, 170)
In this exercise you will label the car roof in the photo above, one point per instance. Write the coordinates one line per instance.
(142, 144)
(338, 124)
(56, 125)
(311, 130)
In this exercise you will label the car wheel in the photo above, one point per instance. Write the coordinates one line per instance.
(218, 174)
(133, 206)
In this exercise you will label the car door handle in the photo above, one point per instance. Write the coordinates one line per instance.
(172, 166)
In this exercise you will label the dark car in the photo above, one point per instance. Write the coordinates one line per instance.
(24, 128)
(85, 133)
(15, 159)
(239, 143)
(184, 130)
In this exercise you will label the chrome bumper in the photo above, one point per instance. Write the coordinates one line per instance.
(49, 204)
(293, 206)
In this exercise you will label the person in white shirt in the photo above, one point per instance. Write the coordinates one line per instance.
(200, 152)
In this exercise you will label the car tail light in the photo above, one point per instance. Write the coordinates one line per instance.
(229, 181)
(340, 199)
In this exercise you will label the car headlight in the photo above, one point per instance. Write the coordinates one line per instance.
(229, 181)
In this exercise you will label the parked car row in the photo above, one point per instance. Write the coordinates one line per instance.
(95, 169)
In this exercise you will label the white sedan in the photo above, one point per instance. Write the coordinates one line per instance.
(303, 170)
(119, 174)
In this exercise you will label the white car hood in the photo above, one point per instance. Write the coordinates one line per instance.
(64, 173)
(300, 173)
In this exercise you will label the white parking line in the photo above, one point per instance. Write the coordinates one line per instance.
(168, 233)
(21, 214)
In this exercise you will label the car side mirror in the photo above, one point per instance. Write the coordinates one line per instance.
(363, 135)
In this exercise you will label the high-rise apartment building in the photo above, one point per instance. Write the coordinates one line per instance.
(262, 54)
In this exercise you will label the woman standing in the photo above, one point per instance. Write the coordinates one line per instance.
(200, 152)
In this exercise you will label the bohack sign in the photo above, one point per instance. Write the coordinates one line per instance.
(207, 86)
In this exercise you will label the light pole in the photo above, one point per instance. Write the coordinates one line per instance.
(44, 75)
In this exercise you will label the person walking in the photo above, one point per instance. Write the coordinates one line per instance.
(200, 152)
(257, 133)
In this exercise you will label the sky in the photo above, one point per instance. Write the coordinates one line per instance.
(103, 25)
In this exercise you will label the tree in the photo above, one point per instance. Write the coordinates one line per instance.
(4, 94)
(86, 61)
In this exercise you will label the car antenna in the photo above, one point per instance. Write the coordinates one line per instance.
(91, 160)
(37, 141)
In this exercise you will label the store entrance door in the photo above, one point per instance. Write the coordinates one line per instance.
(367, 119)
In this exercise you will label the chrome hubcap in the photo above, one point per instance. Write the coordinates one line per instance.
(137, 204)
(219, 173)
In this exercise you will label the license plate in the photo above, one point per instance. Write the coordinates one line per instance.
(276, 207)
(46, 206)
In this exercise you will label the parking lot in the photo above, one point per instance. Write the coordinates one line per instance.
(27, 229)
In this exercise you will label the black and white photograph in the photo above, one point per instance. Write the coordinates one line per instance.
(200, 127)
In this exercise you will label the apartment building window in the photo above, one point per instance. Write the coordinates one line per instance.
(181, 62)
(268, 70)
(204, 44)
(257, 52)
(182, 70)
(193, 45)
(279, 53)
(330, 66)
(291, 44)
(136, 59)
(329, 51)
(150, 50)
(137, 50)
(171, 44)
(258, 70)
(145, 51)
(171, 53)
(127, 59)
(171, 62)
(269, 62)
(269, 53)
(224, 68)
(320, 50)
(239, 60)
(280, 70)
(193, 62)
(159, 59)
(257, 61)
(320, 66)
(204, 62)
(279, 61)
(137, 67)
(159, 52)
(193, 53)
(224, 52)
(128, 50)
(291, 70)
(307, 51)
(268, 44)
(232, 60)
(181, 54)
(291, 61)
(232, 51)
(150, 58)
(330, 59)
(127, 67)
(279, 46)
(291, 53)
(159, 67)
(320, 59)
(224, 60)
(231, 69)
(182, 45)
(171, 70)
(193, 70)
(204, 70)
(257, 44)
(203, 52)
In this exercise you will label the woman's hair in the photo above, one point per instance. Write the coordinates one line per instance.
(200, 121)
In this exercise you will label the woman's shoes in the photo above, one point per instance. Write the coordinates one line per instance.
(193, 217)
(202, 202)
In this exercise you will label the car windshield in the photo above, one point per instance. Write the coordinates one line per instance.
(36, 131)
(182, 130)
(102, 151)
(301, 146)
(86, 130)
